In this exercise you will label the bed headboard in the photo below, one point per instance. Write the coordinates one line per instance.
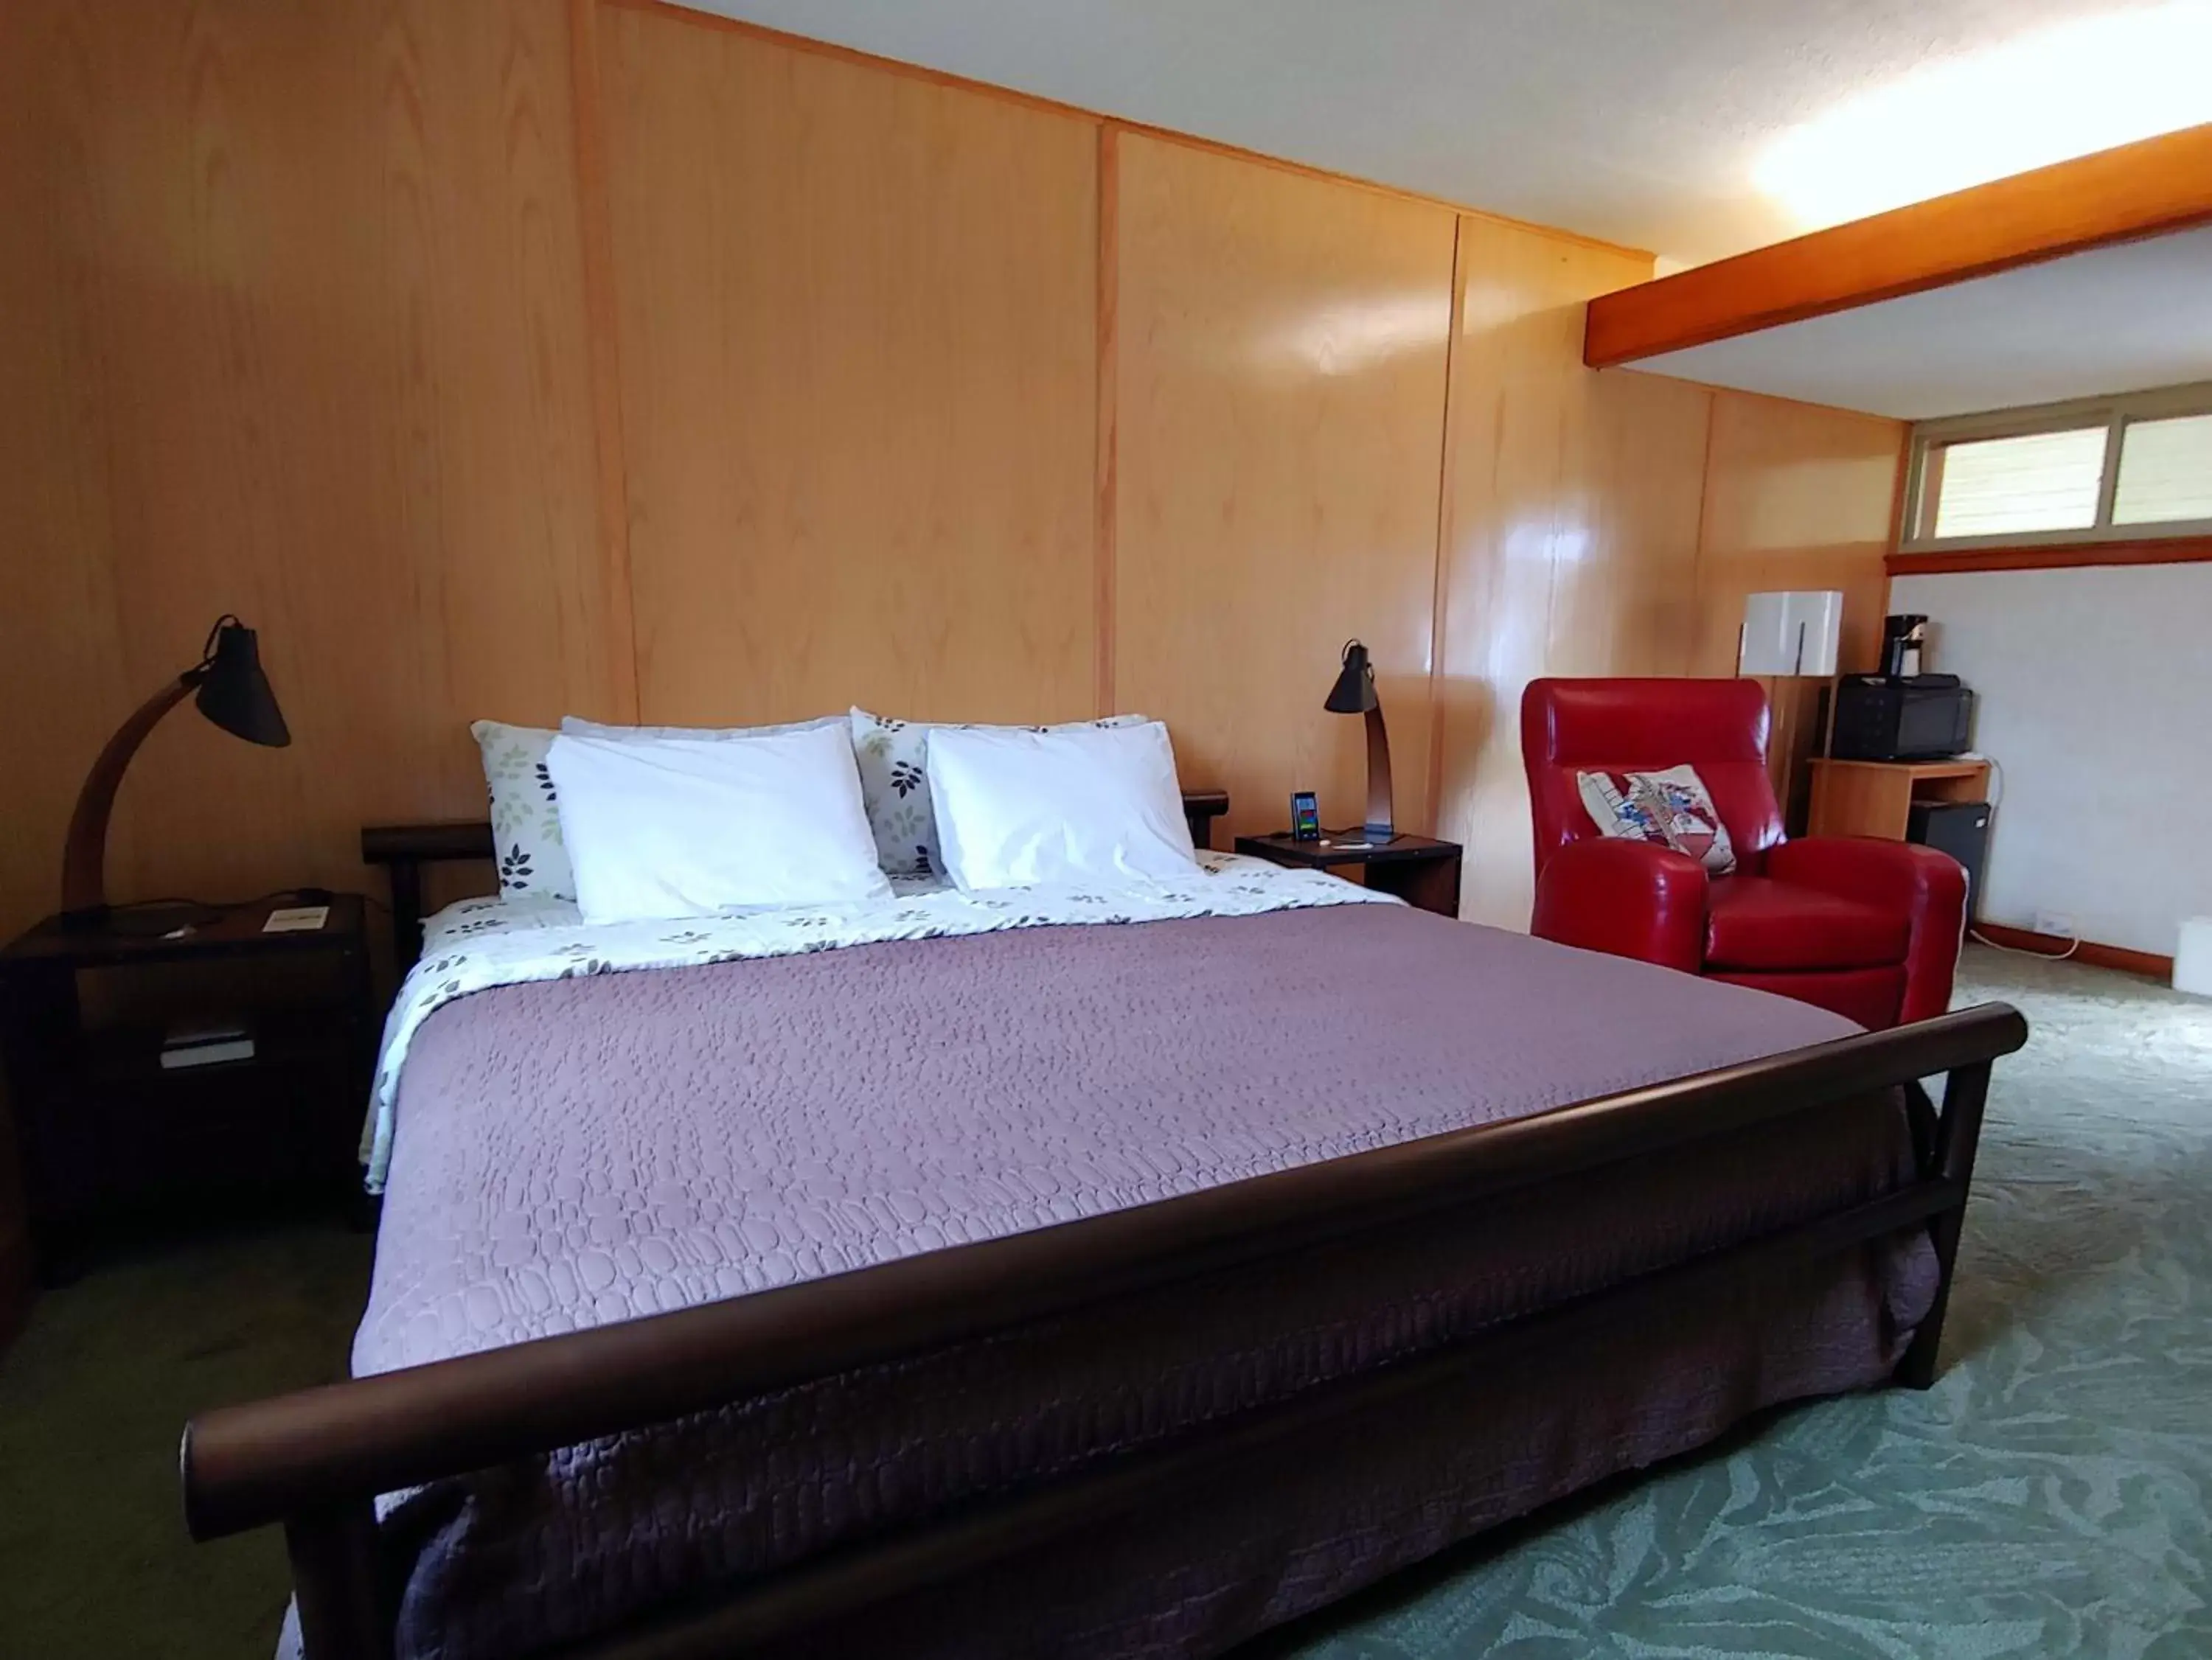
(403, 849)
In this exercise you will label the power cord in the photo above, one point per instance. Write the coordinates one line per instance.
(1996, 779)
(1980, 938)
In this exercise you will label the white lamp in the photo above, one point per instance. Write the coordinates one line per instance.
(1793, 633)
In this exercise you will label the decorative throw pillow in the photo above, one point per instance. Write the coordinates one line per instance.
(894, 758)
(1671, 808)
(526, 818)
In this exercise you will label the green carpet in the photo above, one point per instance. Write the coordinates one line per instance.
(2051, 1496)
(95, 1564)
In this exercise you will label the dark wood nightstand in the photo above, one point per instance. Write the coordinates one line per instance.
(108, 1132)
(1423, 872)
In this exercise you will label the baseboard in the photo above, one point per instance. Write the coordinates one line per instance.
(2148, 964)
(16, 1287)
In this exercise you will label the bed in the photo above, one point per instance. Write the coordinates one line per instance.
(1077, 1276)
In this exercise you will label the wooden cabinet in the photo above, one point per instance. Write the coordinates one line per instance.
(1419, 869)
(1875, 798)
(110, 1133)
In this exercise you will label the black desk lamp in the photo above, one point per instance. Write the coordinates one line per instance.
(1354, 694)
(234, 694)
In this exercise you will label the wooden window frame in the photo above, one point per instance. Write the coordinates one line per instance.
(1924, 470)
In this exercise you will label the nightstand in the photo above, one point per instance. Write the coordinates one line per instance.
(1423, 872)
(109, 1132)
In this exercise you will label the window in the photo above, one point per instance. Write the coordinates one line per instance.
(2108, 470)
(2003, 486)
(2166, 471)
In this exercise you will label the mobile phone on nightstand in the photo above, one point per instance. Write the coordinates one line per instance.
(1305, 816)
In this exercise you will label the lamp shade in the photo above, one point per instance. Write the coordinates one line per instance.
(234, 694)
(1791, 633)
(1354, 691)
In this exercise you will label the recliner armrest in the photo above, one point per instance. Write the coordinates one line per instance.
(1631, 899)
(1896, 872)
(1929, 887)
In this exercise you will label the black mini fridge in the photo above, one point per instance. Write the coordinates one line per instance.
(1960, 828)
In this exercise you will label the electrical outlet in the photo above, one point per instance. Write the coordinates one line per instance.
(2056, 924)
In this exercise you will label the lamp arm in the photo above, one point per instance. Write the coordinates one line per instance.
(84, 859)
(1379, 825)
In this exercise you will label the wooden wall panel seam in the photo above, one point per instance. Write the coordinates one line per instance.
(1704, 508)
(1104, 482)
(1899, 506)
(1439, 593)
(603, 322)
(1055, 106)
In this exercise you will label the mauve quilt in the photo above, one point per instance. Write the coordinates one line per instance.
(580, 1151)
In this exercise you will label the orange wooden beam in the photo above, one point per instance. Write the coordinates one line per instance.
(2139, 189)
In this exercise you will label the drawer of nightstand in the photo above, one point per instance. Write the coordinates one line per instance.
(118, 1127)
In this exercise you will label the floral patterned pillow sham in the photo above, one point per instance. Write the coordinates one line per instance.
(526, 818)
(1671, 808)
(894, 759)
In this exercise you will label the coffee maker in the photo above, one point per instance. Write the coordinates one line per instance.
(1904, 647)
(1904, 713)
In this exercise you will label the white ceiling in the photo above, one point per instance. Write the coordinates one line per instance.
(1639, 121)
(2117, 319)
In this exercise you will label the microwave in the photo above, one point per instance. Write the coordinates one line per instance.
(1901, 719)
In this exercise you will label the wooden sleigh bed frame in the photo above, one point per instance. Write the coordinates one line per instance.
(316, 1461)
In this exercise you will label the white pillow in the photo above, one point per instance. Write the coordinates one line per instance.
(1017, 808)
(894, 757)
(685, 827)
(576, 726)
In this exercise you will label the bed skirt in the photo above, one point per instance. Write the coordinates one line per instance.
(1308, 1523)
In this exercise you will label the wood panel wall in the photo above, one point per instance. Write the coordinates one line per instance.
(858, 355)
(539, 355)
(1571, 534)
(1797, 496)
(1280, 390)
(294, 327)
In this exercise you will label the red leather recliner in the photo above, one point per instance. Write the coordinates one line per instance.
(1869, 929)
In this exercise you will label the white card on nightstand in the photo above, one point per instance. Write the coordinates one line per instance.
(297, 919)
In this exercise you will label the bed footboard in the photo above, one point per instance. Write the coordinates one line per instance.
(315, 1461)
